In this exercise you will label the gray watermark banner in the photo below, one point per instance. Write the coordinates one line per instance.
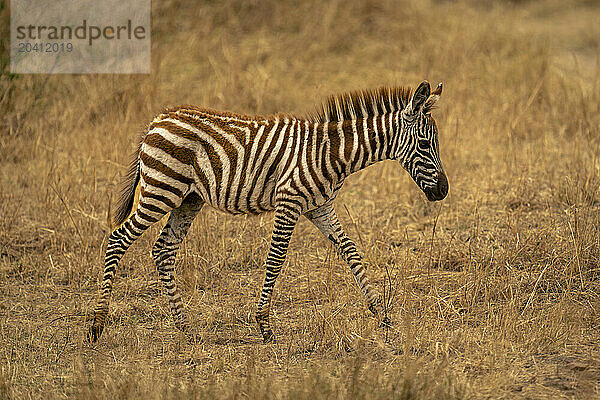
(80, 36)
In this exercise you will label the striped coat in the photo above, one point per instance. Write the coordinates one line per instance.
(239, 164)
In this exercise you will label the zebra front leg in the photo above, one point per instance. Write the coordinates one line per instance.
(283, 227)
(327, 221)
(118, 243)
(165, 250)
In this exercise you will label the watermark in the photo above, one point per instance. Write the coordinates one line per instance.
(80, 36)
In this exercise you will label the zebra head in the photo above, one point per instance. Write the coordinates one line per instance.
(419, 152)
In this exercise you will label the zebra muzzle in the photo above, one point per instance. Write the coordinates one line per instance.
(440, 190)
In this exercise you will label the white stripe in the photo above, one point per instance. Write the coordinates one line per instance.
(157, 215)
(367, 141)
(156, 203)
(168, 160)
(355, 144)
(173, 137)
(294, 153)
(159, 176)
(340, 132)
(377, 142)
(161, 192)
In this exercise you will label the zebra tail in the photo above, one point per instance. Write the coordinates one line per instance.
(126, 197)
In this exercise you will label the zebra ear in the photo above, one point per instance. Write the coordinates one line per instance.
(438, 90)
(420, 96)
(433, 98)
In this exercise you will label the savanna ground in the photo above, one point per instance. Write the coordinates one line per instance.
(495, 291)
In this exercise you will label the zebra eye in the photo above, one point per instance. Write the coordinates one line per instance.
(424, 143)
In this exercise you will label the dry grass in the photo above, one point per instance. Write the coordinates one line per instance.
(496, 290)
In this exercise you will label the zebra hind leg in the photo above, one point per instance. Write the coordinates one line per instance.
(118, 243)
(165, 250)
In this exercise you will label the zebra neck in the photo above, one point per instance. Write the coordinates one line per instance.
(358, 143)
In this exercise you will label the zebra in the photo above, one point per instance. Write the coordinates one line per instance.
(240, 164)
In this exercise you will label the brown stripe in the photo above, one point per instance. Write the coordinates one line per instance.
(161, 198)
(363, 145)
(161, 185)
(388, 136)
(348, 139)
(152, 208)
(334, 140)
(163, 168)
(325, 154)
(371, 136)
(182, 154)
(176, 129)
(380, 136)
(138, 225)
(146, 216)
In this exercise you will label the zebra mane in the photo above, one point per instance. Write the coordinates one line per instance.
(362, 104)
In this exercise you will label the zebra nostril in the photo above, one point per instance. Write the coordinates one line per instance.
(442, 185)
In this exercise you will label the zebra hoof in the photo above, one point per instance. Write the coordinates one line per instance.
(94, 333)
(268, 337)
(386, 322)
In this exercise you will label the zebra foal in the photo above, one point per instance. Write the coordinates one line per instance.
(240, 164)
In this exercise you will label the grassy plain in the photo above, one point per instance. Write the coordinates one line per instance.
(495, 291)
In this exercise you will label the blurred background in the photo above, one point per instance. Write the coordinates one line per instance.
(494, 292)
